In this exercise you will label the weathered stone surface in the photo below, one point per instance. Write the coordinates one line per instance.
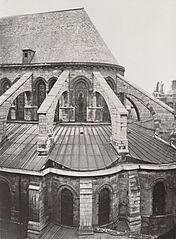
(6, 100)
(85, 227)
(117, 111)
(149, 106)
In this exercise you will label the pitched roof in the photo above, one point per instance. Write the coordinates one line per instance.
(60, 36)
(80, 147)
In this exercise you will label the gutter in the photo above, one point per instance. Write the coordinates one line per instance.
(98, 173)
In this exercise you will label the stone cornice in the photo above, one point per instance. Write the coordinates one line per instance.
(64, 64)
(99, 173)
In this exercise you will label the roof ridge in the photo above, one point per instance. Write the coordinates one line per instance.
(37, 13)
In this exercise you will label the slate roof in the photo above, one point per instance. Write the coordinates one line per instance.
(60, 36)
(80, 147)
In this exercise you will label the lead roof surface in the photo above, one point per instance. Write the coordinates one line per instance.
(79, 147)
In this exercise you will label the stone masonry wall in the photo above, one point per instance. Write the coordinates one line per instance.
(18, 186)
(54, 186)
(151, 223)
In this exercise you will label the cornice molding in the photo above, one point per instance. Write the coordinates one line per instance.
(65, 64)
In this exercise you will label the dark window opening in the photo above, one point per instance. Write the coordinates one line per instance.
(5, 201)
(5, 87)
(20, 102)
(66, 207)
(159, 202)
(28, 55)
(81, 101)
(104, 206)
(41, 92)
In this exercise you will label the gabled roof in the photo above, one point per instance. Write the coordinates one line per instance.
(60, 36)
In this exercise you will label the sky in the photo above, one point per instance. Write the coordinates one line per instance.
(141, 34)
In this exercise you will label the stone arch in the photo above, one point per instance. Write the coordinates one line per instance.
(77, 79)
(39, 90)
(96, 203)
(51, 82)
(64, 99)
(46, 113)
(7, 181)
(111, 83)
(163, 180)
(19, 103)
(135, 107)
(149, 107)
(100, 102)
(118, 113)
(80, 96)
(75, 206)
(107, 103)
(5, 200)
(13, 97)
(164, 118)
(7, 99)
(5, 85)
(159, 198)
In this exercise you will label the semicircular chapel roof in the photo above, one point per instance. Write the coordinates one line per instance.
(60, 36)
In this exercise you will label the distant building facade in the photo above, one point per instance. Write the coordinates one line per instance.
(170, 97)
(80, 145)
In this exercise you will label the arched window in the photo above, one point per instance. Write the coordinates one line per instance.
(41, 92)
(104, 206)
(52, 81)
(20, 102)
(66, 207)
(81, 100)
(99, 99)
(159, 201)
(110, 83)
(6, 86)
(5, 200)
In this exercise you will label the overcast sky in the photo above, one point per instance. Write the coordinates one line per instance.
(140, 33)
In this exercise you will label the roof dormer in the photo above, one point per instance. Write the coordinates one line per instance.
(28, 55)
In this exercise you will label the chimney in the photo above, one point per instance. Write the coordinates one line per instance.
(174, 85)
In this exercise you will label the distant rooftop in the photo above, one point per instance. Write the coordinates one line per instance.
(58, 36)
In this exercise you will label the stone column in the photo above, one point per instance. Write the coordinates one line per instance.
(30, 111)
(85, 227)
(33, 223)
(13, 111)
(134, 217)
(37, 211)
